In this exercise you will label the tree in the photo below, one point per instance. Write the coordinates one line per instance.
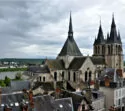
(18, 76)
(7, 81)
(2, 84)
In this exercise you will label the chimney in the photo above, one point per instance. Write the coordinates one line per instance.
(31, 99)
(97, 84)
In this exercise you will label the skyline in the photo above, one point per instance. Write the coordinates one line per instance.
(37, 29)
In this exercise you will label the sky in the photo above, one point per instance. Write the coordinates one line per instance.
(38, 28)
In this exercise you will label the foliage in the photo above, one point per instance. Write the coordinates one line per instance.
(12, 69)
(7, 81)
(2, 84)
(18, 76)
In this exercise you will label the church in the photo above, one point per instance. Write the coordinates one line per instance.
(70, 65)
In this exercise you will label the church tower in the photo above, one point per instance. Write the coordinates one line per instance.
(70, 48)
(109, 48)
(114, 52)
(99, 43)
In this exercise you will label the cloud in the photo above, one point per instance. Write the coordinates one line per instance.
(38, 28)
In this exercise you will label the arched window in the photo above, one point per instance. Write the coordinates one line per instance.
(103, 50)
(74, 77)
(98, 50)
(55, 76)
(90, 75)
(69, 76)
(111, 49)
(116, 49)
(119, 49)
(86, 76)
(108, 49)
(40, 78)
(63, 75)
(44, 79)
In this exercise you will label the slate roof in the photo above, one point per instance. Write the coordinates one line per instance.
(47, 86)
(100, 37)
(70, 47)
(98, 60)
(38, 69)
(77, 63)
(47, 103)
(55, 64)
(16, 86)
(76, 98)
(20, 85)
(10, 99)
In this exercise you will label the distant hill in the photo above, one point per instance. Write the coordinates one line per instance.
(23, 60)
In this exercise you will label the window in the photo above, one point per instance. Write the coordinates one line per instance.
(69, 76)
(43, 79)
(86, 76)
(55, 76)
(90, 75)
(119, 102)
(40, 78)
(74, 77)
(63, 75)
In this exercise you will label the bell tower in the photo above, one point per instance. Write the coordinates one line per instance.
(114, 52)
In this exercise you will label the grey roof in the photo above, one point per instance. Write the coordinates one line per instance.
(47, 103)
(38, 69)
(100, 37)
(16, 86)
(98, 60)
(77, 63)
(47, 86)
(55, 64)
(12, 99)
(70, 47)
(20, 85)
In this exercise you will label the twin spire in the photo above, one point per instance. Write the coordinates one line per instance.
(112, 38)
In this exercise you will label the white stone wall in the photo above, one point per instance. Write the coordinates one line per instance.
(118, 95)
(87, 64)
(109, 96)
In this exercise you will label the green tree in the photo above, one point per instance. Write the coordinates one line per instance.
(18, 76)
(2, 84)
(7, 81)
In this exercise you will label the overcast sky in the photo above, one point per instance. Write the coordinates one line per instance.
(38, 28)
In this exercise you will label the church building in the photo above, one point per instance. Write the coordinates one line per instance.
(70, 65)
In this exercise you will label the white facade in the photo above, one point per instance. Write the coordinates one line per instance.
(113, 96)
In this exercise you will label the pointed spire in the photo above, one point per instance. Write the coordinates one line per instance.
(100, 37)
(113, 21)
(113, 32)
(70, 32)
